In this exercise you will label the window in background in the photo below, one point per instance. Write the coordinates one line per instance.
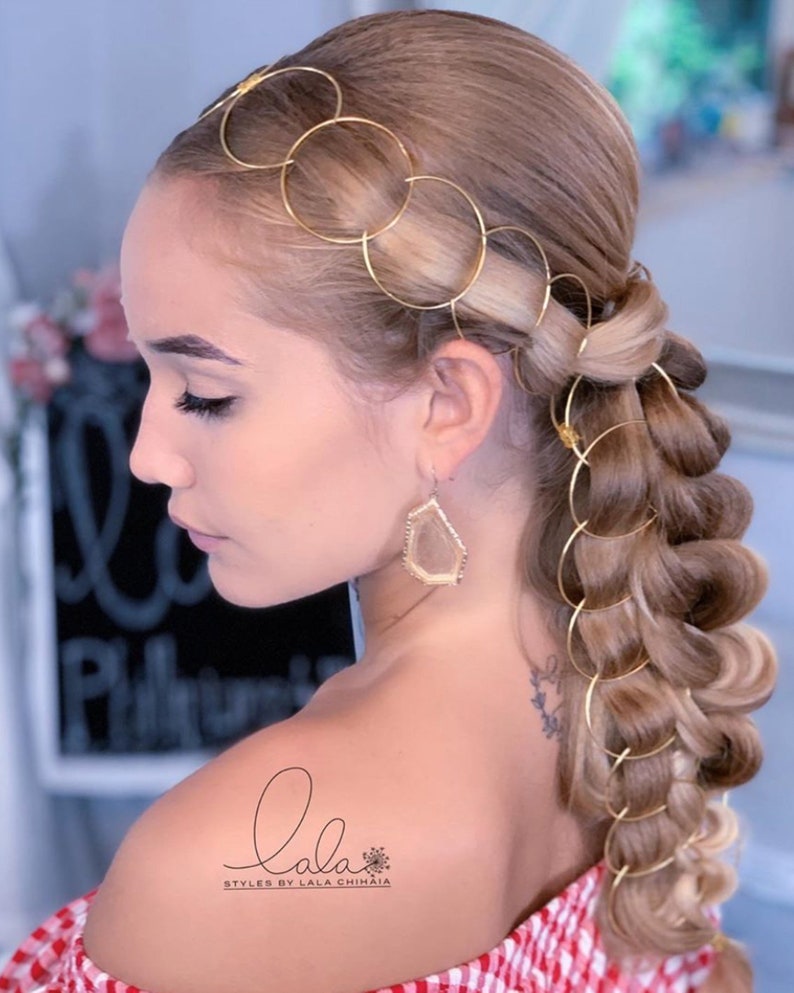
(694, 77)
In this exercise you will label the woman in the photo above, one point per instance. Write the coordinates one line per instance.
(386, 293)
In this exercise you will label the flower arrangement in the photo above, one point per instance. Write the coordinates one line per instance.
(42, 342)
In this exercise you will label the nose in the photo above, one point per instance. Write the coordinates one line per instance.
(154, 458)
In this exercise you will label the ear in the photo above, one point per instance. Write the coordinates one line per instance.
(465, 389)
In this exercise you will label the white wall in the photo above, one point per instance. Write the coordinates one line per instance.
(92, 91)
(781, 25)
(722, 252)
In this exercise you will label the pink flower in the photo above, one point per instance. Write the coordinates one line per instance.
(30, 378)
(83, 278)
(107, 338)
(45, 338)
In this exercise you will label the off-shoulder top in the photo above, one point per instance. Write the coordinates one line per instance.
(557, 949)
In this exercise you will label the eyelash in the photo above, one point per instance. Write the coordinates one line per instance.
(202, 407)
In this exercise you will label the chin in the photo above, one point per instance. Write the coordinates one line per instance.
(244, 590)
(243, 593)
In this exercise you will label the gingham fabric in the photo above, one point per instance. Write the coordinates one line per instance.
(555, 950)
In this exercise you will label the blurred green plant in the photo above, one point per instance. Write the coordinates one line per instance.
(668, 60)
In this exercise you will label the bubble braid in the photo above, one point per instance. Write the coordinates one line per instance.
(566, 430)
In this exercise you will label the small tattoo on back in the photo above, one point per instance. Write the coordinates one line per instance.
(541, 680)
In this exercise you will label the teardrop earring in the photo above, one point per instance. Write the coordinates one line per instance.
(433, 551)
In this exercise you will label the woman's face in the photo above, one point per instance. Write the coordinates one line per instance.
(260, 441)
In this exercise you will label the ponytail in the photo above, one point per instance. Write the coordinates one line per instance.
(640, 559)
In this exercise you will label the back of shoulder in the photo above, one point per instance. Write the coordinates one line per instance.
(307, 857)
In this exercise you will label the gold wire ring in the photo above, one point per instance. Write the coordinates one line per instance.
(589, 325)
(454, 315)
(567, 432)
(335, 239)
(588, 703)
(632, 873)
(649, 870)
(638, 667)
(665, 376)
(566, 598)
(623, 815)
(575, 476)
(720, 942)
(514, 352)
(611, 898)
(246, 84)
(254, 80)
(637, 268)
(634, 818)
(544, 259)
(477, 267)
(565, 429)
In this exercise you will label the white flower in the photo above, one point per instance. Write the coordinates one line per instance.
(22, 314)
(8, 407)
(82, 322)
(56, 370)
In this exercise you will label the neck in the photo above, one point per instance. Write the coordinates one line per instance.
(488, 608)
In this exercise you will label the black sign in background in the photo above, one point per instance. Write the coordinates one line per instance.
(150, 659)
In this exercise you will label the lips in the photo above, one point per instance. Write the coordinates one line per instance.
(205, 542)
(194, 532)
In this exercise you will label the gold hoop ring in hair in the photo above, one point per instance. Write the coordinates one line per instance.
(589, 325)
(649, 870)
(337, 239)
(246, 84)
(637, 667)
(575, 475)
(632, 873)
(561, 588)
(588, 703)
(637, 268)
(566, 430)
(483, 244)
(569, 436)
(625, 872)
(514, 353)
(623, 815)
(544, 259)
(610, 901)
(254, 80)
(720, 942)
(669, 381)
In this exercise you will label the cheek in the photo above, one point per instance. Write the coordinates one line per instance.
(300, 472)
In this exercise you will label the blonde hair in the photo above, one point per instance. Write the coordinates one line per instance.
(539, 144)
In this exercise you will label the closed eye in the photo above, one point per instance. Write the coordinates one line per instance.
(203, 406)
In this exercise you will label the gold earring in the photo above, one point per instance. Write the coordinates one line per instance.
(433, 551)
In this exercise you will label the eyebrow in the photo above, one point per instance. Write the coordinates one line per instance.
(194, 346)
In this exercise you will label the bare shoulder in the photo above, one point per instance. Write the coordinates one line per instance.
(314, 855)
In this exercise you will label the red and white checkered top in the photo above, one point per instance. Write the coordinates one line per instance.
(555, 950)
